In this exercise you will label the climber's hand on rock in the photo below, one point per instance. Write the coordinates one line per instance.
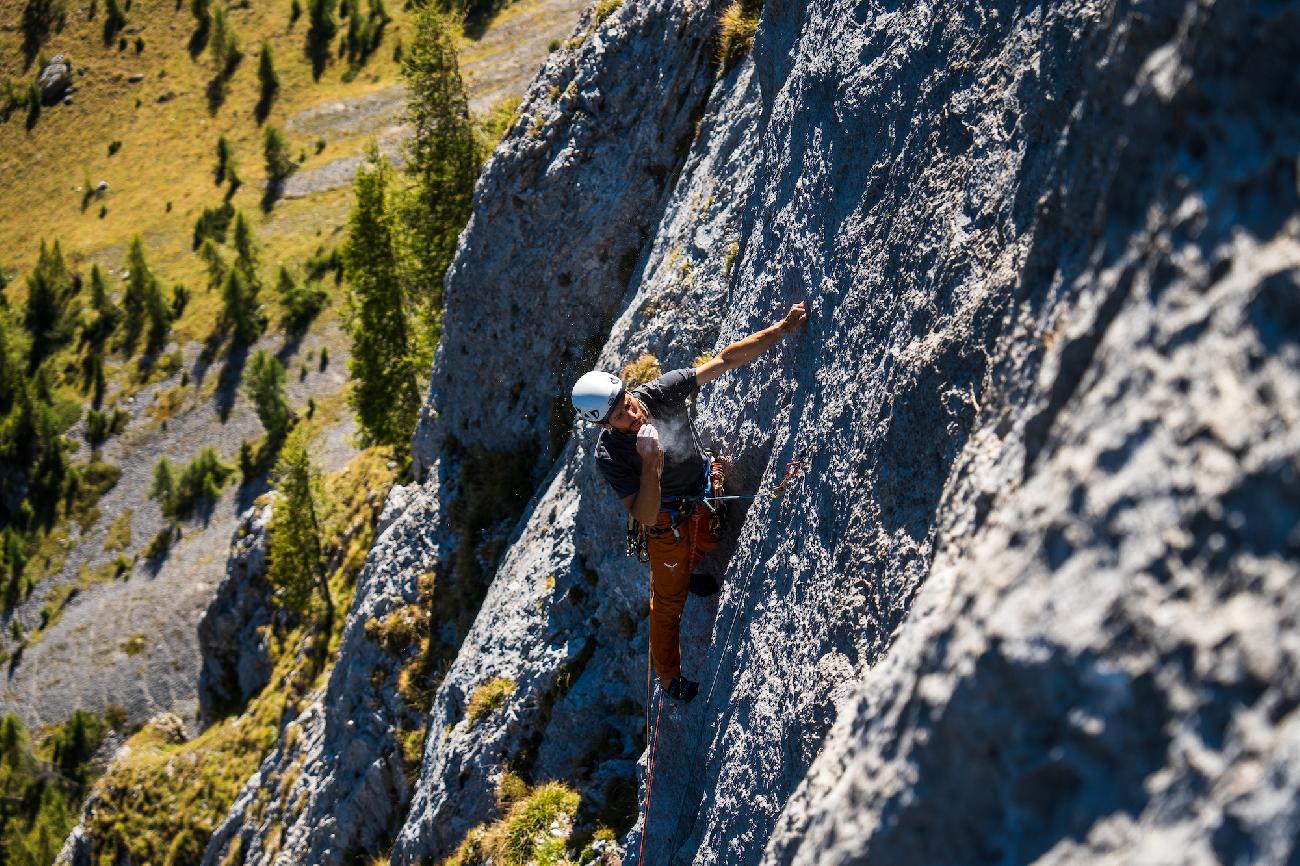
(647, 442)
(797, 316)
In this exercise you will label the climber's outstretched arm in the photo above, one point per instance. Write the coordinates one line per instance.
(741, 352)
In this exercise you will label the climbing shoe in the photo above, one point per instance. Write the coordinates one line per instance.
(682, 689)
(704, 585)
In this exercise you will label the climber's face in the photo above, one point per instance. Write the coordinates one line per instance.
(628, 415)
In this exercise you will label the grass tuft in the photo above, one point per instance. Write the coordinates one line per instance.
(488, 698)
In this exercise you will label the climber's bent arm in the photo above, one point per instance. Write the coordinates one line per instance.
(644, 504)
(743, 351)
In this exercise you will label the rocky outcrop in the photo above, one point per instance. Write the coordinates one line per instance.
(595, 149)
(233, 632)
(561, 216)
(564, 619)
(1030, 595)
(55, 79)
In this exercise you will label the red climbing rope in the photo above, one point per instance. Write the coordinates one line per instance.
(649, 780)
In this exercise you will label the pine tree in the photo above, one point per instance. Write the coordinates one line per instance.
(264, 385)
(241, 286)
(246, 257)
(320, 33)
(163, 490)
(10, 372)
(143, 300)
(224, 44)
(275, 149)
(443, 157)
(240, 312)
(114, 20)
(217, 267)
(301, 302)
(296, 564)
(107, 314)
(385, 394)
(50, 316)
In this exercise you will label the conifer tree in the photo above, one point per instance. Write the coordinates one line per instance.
(296, 564)
(163, 490)
(443, 156)
(217, 267)
(241, 287)
(275, 149)
(143, 300)
(264, 385)
(240, 312)
(320, 33)
(49, 318)
(107, 315)
(385, 393)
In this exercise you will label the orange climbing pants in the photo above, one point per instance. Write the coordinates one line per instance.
(672, 560)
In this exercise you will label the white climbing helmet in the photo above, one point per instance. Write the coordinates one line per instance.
(595, 395)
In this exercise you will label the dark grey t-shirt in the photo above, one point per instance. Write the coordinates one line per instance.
(684, 462)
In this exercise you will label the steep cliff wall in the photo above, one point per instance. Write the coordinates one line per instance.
(561, 213)
(1032, 596)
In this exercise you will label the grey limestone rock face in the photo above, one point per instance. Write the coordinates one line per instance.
(564, 619)
(236, 658)
(336, 779)
(561, 215)
(1029, 593)
(602, 133)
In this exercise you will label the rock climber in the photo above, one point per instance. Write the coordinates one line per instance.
(648, 453)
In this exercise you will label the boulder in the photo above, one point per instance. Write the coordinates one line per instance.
(55, 79)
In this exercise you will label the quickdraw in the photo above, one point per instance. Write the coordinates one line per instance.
(792, 470)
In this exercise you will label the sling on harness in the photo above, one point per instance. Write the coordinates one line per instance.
(679, 508)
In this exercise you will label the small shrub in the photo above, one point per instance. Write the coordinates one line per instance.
(114, 146)
(488, 698)
(180, 297)
(301, 301)
(100, 426)
(135, 644)
(322, 263)
(736, 30)
(643, 369)
(214, 222)
(295, 11)
(606, 8)
(139, 44)
(118, 536)
(730, 259)
(161, 543)
(553, 45)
